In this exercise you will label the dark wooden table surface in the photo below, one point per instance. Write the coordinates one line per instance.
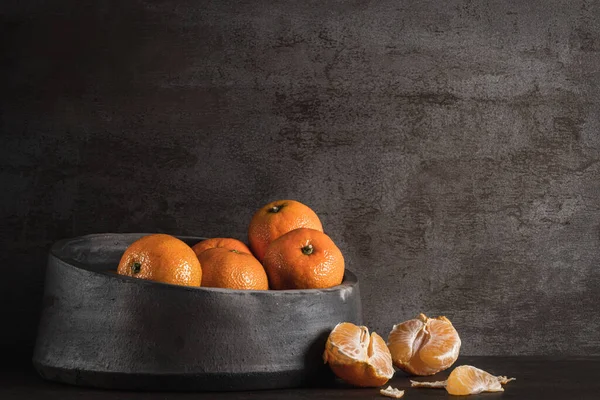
(537, 378)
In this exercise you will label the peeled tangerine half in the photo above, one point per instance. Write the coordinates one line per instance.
(356, 357)
(467, 379)
(424, 346)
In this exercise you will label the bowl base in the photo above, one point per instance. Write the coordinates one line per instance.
(185, 382)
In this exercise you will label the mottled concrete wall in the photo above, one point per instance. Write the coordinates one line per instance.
(452, 149)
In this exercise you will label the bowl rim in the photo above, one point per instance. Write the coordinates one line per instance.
(350, 279)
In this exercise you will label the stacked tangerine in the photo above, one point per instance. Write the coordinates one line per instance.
(288, 250)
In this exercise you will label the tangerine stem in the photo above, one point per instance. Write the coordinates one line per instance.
(136, 267)
(276, 209)
(370, 350)
(308, 249)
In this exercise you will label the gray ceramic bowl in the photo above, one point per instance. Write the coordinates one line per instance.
(101, 329)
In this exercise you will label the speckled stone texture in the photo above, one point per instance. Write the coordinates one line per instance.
(452, 150)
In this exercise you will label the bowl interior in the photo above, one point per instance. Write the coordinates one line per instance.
(101, 253)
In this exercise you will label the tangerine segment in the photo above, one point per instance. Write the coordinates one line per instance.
(424, 346)
(357, 357)
(467, 379)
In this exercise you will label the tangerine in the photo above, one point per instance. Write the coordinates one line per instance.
(357, 357)
(228, 243)
(161, 258)
(304, 259)
(232, 269)
(424, 346)
(276, 219)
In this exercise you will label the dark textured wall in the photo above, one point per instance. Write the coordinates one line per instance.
(452, 149)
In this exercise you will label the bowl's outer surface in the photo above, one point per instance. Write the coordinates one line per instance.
(101, 329)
